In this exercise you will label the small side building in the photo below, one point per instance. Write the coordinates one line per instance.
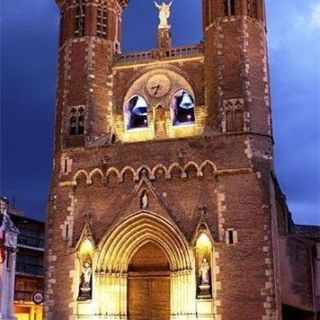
(29, 266)
(299, 250)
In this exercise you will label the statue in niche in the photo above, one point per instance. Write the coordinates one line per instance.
(144, 200)
(204, 279)
(86, 281)
(164, 14)
(204, 271)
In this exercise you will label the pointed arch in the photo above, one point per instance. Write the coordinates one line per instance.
(195, 165)
(176, 165)
(79, 174)
(111, 171)
(125, 170)
(97, 172)
(207, 163)
(118, 247)
(157, 167)
(139, 170)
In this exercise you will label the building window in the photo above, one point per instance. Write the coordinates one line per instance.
(136, 113)
(80, 18)
(252, 9)
(234, 120)
(25, 287)
(30, 264)
(231, 236)
(76, 121)
(229, 7)
(102, 22)
(182, 108)
(234, 117)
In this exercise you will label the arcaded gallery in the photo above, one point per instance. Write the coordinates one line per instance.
(164, 203)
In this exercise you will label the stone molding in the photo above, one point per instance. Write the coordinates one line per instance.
(151, 172)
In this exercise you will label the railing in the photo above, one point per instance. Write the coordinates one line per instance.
(135, 57)
(31, 269)
(31, 241)
(185, 51)
(143, 56)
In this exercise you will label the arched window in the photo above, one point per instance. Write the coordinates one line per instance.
(80, 18)
(76, 121)
(182, 108)
(102, 21)
(137, 113)
(81, 125)
(229, 7)
(73, 126)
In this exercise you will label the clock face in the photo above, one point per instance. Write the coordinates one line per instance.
(158, 85)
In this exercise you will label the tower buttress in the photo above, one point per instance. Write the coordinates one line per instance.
(236, 73)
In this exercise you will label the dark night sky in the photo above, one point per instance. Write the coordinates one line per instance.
(29, 30)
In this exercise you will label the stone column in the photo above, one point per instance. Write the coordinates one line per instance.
(8, 267)
(12, 276)
(3, 291)
(183, 294)
(7, 280)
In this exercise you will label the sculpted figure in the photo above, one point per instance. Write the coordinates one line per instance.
(86, 273)
(144, 201)
(204, 271)
(164, 14)
(85, 282)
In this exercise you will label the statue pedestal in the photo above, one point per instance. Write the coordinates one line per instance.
(85, 308)
(164, 38)
(204, 291)
(205, 309)
(85, 294)
(7, 279)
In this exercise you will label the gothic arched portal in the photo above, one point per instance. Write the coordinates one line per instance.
(150, 247)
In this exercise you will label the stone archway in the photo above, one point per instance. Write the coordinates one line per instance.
(125, 248)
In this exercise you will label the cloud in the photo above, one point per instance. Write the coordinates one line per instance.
(289, 19)
(295, 81)
(315, 16)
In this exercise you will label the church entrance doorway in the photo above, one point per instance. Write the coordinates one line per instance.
(149, 284)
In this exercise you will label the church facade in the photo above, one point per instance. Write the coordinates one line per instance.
(164, 202)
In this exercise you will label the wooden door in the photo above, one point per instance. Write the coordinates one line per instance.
(149, 285)
(149, 297)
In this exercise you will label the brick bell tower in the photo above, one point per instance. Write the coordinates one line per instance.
(89, 38)
(162, 200)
